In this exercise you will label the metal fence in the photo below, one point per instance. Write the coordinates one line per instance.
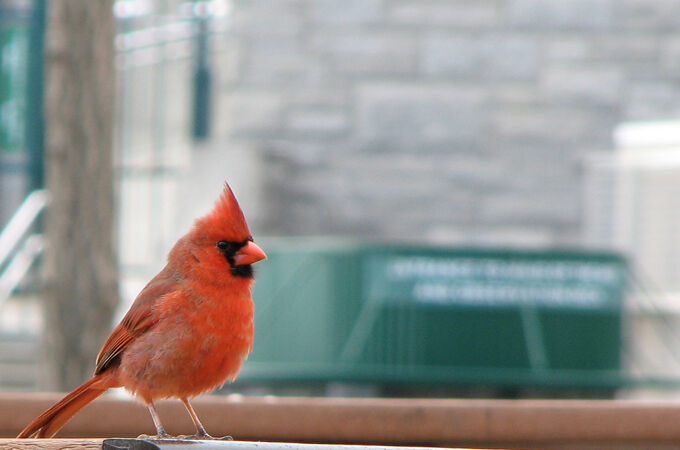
(164, 84)
(163, 53)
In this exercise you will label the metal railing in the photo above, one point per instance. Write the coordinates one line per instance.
(18, 248)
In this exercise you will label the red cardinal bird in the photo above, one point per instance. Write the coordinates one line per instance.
(187, 332)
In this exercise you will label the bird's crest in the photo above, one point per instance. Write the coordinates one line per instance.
(226, 220)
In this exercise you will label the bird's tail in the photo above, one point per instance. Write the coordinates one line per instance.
(48, 423)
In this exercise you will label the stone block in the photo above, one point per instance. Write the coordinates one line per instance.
(652, 100)
(585, 85)
(514, 94)
(493, 56)
(542, 205)
(505, 236)
(560, 14)
(305, 122)
(346, 12)
(650, 15)
(367, 52)
(625, 47)
(670, 55)
(567, 48)
(253, 112)
(533, 123)
(332, 93)
(257, 19)
(470, 14)
(414, 111)
(419, 166)
(281, 62)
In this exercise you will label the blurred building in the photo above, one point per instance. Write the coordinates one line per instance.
(450, 121)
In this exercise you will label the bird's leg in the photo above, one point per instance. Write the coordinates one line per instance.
(160, 431)
(200, 431)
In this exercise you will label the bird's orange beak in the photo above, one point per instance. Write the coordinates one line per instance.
(249, 254)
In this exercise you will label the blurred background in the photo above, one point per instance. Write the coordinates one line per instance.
(458, 197)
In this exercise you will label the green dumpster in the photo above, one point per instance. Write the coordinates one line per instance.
(396, 314)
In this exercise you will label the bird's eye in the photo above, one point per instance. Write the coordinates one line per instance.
(223, 245)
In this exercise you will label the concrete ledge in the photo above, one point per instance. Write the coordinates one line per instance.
(451, 423)
(141, 444)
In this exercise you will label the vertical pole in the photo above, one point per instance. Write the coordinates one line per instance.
(202, 76)
(35, 119)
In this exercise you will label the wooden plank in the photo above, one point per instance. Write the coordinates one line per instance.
(520, 423)
(51, 444)
(139, 444)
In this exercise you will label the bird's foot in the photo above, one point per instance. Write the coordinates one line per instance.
(158, 436)
(203, 437)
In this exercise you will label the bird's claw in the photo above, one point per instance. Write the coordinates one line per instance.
(192, 437)
(203, 437)
(159, 436)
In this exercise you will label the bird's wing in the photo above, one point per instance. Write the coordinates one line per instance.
(136, 322)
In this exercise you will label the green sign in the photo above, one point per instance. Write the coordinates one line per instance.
(13, 63)
(484, 279)
(395, 314)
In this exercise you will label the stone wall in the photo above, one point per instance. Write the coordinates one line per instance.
(461, 121)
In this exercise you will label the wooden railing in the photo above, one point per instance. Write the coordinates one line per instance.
(406, 422)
